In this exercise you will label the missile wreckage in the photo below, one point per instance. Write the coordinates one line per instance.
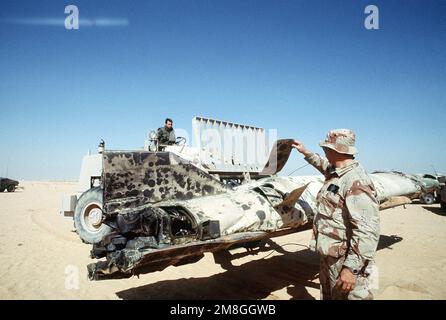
(155, 208)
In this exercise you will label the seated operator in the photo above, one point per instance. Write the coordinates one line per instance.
(166, 134)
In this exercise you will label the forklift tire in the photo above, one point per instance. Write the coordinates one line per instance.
(88, 216)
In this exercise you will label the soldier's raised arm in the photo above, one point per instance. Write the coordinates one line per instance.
(320, 163)
(363, 211)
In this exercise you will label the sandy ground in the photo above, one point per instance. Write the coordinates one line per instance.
(43, 258)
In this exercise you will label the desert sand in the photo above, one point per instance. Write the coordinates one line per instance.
(43, 258)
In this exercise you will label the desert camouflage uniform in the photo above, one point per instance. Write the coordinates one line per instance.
(346, 226)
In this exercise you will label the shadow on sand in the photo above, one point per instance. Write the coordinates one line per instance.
(253, 280)
(436, 210)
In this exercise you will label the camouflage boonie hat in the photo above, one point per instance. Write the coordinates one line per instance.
(340, 140)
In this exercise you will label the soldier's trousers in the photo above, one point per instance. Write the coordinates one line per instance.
(329, 272)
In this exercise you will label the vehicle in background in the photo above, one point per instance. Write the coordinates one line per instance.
(8, 184)
(431, 188)
(442, 193)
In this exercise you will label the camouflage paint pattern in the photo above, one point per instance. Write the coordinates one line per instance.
(135, 178)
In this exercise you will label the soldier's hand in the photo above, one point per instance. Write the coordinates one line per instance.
(299, 146)
(346, 281)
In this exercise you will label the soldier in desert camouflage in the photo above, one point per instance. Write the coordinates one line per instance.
(346, 225)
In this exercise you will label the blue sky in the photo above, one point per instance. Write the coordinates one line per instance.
(301, 67)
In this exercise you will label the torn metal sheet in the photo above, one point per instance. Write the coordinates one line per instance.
(291, 199)
(278, 157)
